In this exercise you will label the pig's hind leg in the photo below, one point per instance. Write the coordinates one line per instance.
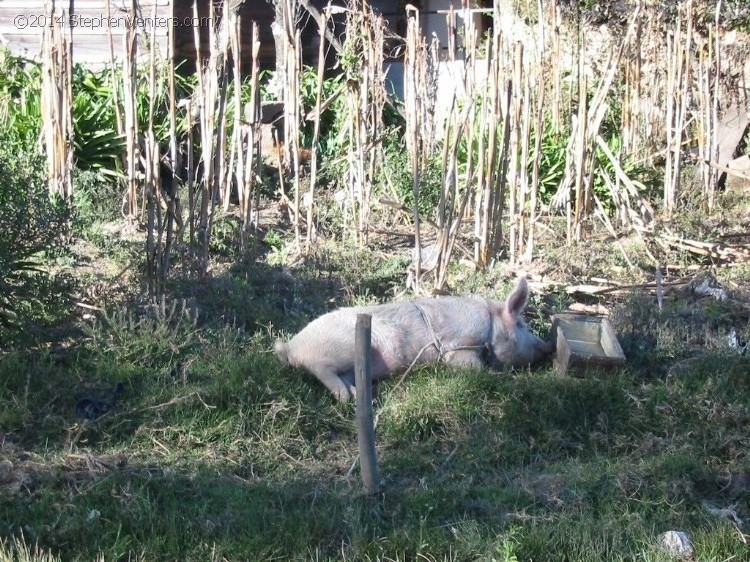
(340, 389)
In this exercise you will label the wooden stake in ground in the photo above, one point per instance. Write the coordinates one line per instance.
(363, 382)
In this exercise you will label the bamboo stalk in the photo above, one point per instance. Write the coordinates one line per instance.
(556, 119)
(632, 115)
(174, 208)
(289, 151)
(514, 184)
(539, 133)
(322, 28)
(412, 124)
(677, 102)
(453, 204)
(581, 152)
(711, 177)
(113, 74)
(714, 140)
(212, 105)
(252, 147)
(238, 154)
(56, 109)
(295, 76)
(129, 83)
(523, 179)
(500, 156)
(669, 112)
(224, 147)
(357, 172)
(498, 203)
(201, 221)
(494, 200)
(486, 132)
(151, 161)
(218, 125)
(191, 172)
(376, 102)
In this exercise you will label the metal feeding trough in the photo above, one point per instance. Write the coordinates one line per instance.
(585, 342)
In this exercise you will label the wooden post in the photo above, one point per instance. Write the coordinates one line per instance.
(363, 382)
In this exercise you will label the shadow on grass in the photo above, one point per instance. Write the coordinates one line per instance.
(253, 294)
(247, 462)
(90, 507)
(215, 449)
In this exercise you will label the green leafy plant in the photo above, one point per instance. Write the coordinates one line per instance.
(34, 228)
(279, 250)
(20, 102)
(551, 160)
(395, 177)
(98, 144)
(95, 199)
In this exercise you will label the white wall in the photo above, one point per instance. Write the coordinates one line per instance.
(22, 24)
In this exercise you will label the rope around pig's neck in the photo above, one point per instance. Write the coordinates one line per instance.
(442, 352)
(439, 347)
(435, 339)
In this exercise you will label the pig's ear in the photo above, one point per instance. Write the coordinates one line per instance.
(515, 303)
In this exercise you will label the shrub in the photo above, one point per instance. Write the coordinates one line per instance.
(95, 199)
(33, 227)
(20, 106)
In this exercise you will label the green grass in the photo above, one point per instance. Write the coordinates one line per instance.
(216, 451)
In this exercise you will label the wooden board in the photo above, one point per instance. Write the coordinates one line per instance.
(585, 342)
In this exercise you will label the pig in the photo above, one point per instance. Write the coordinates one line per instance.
(467, 331)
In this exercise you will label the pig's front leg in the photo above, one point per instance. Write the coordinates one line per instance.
(348, 382)
(467, 357)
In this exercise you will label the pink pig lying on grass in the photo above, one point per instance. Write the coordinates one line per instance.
(468, 331)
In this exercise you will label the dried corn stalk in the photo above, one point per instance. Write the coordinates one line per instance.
(56, 99)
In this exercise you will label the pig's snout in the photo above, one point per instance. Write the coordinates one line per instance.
(547, 347)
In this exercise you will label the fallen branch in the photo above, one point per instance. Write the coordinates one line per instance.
(728, 170)
(598, 290)
(715, 250)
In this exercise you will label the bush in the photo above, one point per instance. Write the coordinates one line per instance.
(33, 227)
(96, 199)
